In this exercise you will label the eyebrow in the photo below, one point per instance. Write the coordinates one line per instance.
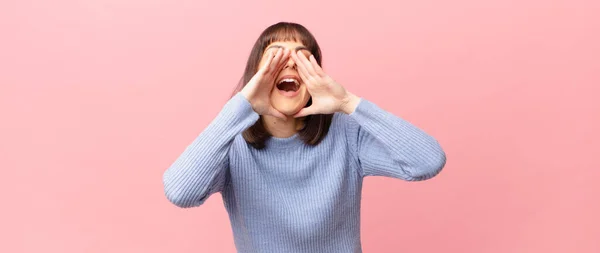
(298, 48)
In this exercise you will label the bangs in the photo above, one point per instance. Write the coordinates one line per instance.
(287, 32)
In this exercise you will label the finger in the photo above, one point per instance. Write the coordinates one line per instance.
(274, 112)
(269, 58)
(300, 64)
(315, 64)
(305, 80)
(275, 61)
(277, 58)
(311, 82)
(305, 112)
(283, 61)
(307, 64)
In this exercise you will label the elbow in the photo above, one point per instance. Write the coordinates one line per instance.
(438, 162)
(179, 197)
(435, 164)
(430, 167)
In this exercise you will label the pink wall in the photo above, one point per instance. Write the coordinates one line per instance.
(97, 98)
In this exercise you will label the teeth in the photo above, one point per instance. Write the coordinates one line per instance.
(290, 80)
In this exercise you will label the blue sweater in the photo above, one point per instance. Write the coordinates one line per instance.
(291, 197)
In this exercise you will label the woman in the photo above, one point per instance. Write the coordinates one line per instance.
(289, 151)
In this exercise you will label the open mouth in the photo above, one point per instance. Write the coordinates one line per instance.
(288, 85)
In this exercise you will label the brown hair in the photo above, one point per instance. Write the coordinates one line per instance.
(316, 126)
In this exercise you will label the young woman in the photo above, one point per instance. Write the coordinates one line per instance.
(289, 151)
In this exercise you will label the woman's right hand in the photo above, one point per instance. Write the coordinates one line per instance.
(258, 90)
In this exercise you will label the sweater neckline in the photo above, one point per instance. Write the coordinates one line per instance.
(284, 142)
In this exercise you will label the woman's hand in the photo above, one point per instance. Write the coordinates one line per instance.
(258, 89)
(327, 95)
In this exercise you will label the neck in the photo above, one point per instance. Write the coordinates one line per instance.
(282, 128)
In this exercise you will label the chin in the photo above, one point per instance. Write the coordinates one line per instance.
(289, 105)
(288, 110)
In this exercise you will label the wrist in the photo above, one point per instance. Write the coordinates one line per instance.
(246, 94)
(350, 103)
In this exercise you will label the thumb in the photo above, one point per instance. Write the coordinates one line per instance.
(305, 112)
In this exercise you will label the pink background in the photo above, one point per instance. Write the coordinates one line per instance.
(98, 98)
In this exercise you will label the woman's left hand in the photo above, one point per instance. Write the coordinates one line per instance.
(327, 95)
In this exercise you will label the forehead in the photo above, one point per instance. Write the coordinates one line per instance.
(292, 45)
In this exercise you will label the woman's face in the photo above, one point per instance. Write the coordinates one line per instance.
(287, 96)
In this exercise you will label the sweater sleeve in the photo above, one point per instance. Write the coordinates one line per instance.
(200, 170)
(389, 146)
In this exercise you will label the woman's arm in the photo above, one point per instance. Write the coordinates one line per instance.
(200, 170)
(384, 144)
(389, 146)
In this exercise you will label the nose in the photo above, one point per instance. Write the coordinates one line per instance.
(290, 64)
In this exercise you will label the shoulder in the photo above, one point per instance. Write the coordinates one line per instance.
(239, 144)
(343, 122)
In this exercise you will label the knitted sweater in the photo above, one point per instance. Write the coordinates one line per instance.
(291, 197)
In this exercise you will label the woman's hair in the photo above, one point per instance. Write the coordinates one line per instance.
(316, 126)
